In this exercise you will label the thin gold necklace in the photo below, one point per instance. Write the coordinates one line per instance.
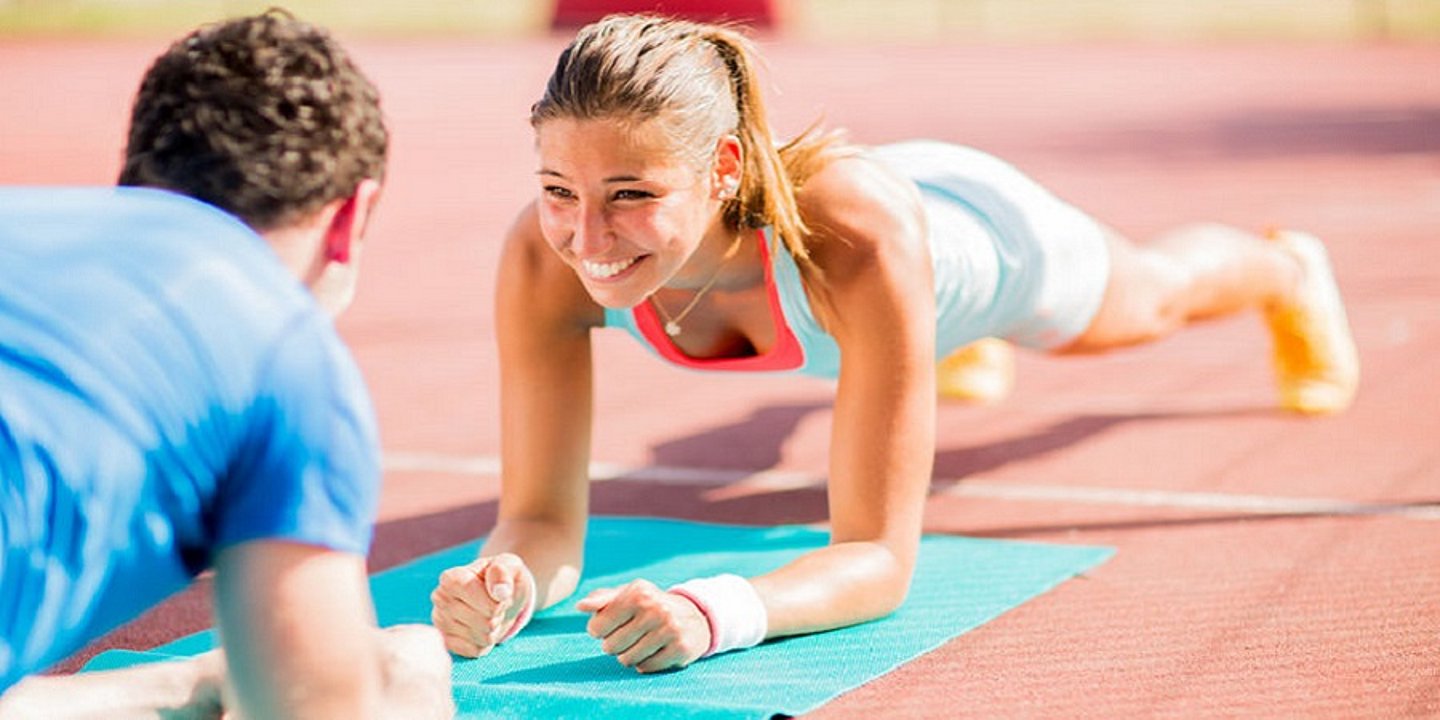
(672, 324)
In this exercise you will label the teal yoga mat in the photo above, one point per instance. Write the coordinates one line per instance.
(555, 670)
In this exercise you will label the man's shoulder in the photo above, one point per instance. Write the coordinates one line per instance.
(116, 205)
(142, 237)
(80, 226)
(172, 279)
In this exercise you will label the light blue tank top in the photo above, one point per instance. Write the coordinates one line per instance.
(991, 233)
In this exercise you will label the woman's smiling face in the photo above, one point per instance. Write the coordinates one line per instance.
(620, 206)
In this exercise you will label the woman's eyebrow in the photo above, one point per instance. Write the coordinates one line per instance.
(613, 179)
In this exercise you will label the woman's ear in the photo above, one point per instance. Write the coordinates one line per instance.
(727, 168)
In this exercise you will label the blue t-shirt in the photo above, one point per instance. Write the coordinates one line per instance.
(167, 389)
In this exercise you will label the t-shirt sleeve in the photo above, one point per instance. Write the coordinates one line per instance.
(309, 468)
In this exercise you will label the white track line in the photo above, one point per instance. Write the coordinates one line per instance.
(1214, 502)
(970, 487)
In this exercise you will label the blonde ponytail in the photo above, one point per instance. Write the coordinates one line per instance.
(772, 173)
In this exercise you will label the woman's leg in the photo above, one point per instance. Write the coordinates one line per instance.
(1198, 272)
(1210, 271)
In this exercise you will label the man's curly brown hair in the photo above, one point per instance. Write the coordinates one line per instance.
(265, 117)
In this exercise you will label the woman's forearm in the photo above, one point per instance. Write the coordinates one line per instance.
(835, 586)
(553, 552)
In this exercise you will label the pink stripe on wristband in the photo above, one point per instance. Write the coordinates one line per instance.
(734, 610)
(527, 612)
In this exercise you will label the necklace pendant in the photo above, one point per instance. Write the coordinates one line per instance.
(672, 328)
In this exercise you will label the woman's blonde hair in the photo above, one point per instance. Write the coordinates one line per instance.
(701, 81)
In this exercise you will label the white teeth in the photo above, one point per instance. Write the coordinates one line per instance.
(600, 271)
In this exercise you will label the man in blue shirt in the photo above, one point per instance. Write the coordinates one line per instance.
(173, 400)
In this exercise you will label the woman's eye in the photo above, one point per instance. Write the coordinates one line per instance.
(557, 192)
(632, 195)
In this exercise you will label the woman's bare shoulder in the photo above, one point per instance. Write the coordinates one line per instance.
(860, 212)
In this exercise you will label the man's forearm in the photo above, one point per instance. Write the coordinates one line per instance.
(171, 690)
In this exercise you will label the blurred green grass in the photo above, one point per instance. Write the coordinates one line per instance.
(910, 20)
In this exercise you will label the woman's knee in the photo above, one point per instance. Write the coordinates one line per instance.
(1144, 301)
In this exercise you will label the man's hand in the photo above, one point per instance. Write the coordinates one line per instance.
(416, 673)
(645, 627)
(482, 604)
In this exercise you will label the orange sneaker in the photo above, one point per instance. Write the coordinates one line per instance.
(1316, 363)
(981, 372)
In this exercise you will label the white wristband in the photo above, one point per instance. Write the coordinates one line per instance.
(734, 610)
